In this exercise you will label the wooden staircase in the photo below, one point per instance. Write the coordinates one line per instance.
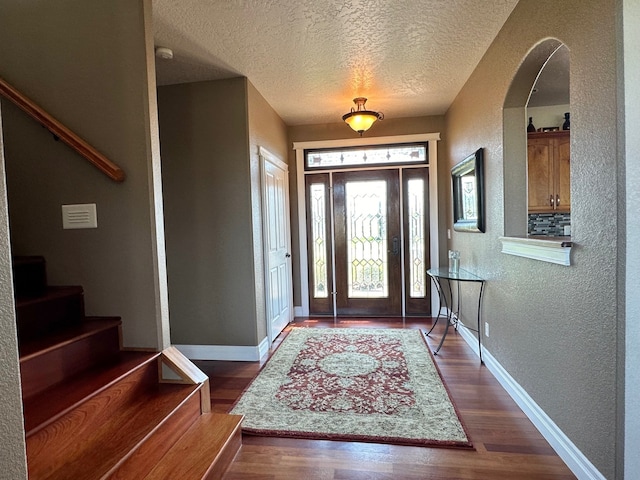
(94, 411)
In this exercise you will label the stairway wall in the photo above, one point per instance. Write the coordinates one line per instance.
(91, 65)
(12, 454)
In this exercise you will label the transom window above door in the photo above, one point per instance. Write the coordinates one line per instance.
(415, 153)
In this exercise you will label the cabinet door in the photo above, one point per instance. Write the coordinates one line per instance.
(540, 174)
(563, 174)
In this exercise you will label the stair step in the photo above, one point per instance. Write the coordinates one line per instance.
(47, 406)
(204, 451)
(93, 411)
(29, 276)
(47, 361)
(55, 310)
(156, 445)
(95, 436)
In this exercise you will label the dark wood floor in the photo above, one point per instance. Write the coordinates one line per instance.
(507, 445)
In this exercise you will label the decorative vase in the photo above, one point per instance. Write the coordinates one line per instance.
(567, 124)
(531, 127)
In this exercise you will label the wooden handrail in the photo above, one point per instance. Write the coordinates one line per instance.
(112, 170)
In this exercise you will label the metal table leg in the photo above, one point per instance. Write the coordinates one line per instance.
(442, 298)
(478, 320)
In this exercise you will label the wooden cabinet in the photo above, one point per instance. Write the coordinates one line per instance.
(549, 172)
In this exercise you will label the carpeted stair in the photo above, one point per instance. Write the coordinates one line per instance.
(95, 411)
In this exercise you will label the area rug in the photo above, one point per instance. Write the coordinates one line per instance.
(373, 385)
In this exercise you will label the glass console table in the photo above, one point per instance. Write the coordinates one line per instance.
(441, 275)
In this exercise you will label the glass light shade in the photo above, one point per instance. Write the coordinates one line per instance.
(360, 119)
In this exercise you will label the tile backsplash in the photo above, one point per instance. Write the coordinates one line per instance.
(548, 224)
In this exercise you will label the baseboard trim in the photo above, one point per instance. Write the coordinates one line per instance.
(225, 352)
(298, 312)
(564, 447)
(263, 348)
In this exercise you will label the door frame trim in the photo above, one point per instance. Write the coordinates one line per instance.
(434, 219)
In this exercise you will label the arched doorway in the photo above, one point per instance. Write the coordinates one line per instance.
(515, 120)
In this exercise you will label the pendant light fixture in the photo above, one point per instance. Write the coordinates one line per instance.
(361, 119)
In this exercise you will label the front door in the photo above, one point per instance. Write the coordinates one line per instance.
(378, 244)
(367, 239)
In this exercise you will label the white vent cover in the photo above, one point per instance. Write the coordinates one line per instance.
(79, 216)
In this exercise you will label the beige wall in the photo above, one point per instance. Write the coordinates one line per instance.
(267, 130)
(209, 236)
(210, 133)
(86, 63)
(553, 328)
(340, 130)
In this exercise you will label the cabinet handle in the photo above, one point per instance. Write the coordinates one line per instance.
(551, 200)
(557, 201)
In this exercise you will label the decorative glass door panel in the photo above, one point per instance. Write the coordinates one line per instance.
(367, 242)
(416, 258)
(415, 192)
(319, 241)
(366, 219)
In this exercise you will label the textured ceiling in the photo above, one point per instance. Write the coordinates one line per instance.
(309, 59)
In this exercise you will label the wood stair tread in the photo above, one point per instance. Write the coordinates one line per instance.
(50, 293)
(204, 451)
(47, 406)
(55, 310)
(89, 449)
(30, 348)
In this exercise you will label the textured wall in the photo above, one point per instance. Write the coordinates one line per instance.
(208, 208)
(553, 328)
(86, 64)
(12, 455)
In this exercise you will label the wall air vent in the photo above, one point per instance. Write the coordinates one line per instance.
(79, 216)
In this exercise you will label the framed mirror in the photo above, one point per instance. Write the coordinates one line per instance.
(468, 194)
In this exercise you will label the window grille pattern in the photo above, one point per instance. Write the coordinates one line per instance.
(382, 155)
(366, 205)
(416, 235)
(319, 240)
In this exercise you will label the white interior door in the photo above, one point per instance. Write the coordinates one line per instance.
(277, 244)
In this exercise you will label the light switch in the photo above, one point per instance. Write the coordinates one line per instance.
(79, 216)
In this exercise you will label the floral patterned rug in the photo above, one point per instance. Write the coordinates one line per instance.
(374, 385)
